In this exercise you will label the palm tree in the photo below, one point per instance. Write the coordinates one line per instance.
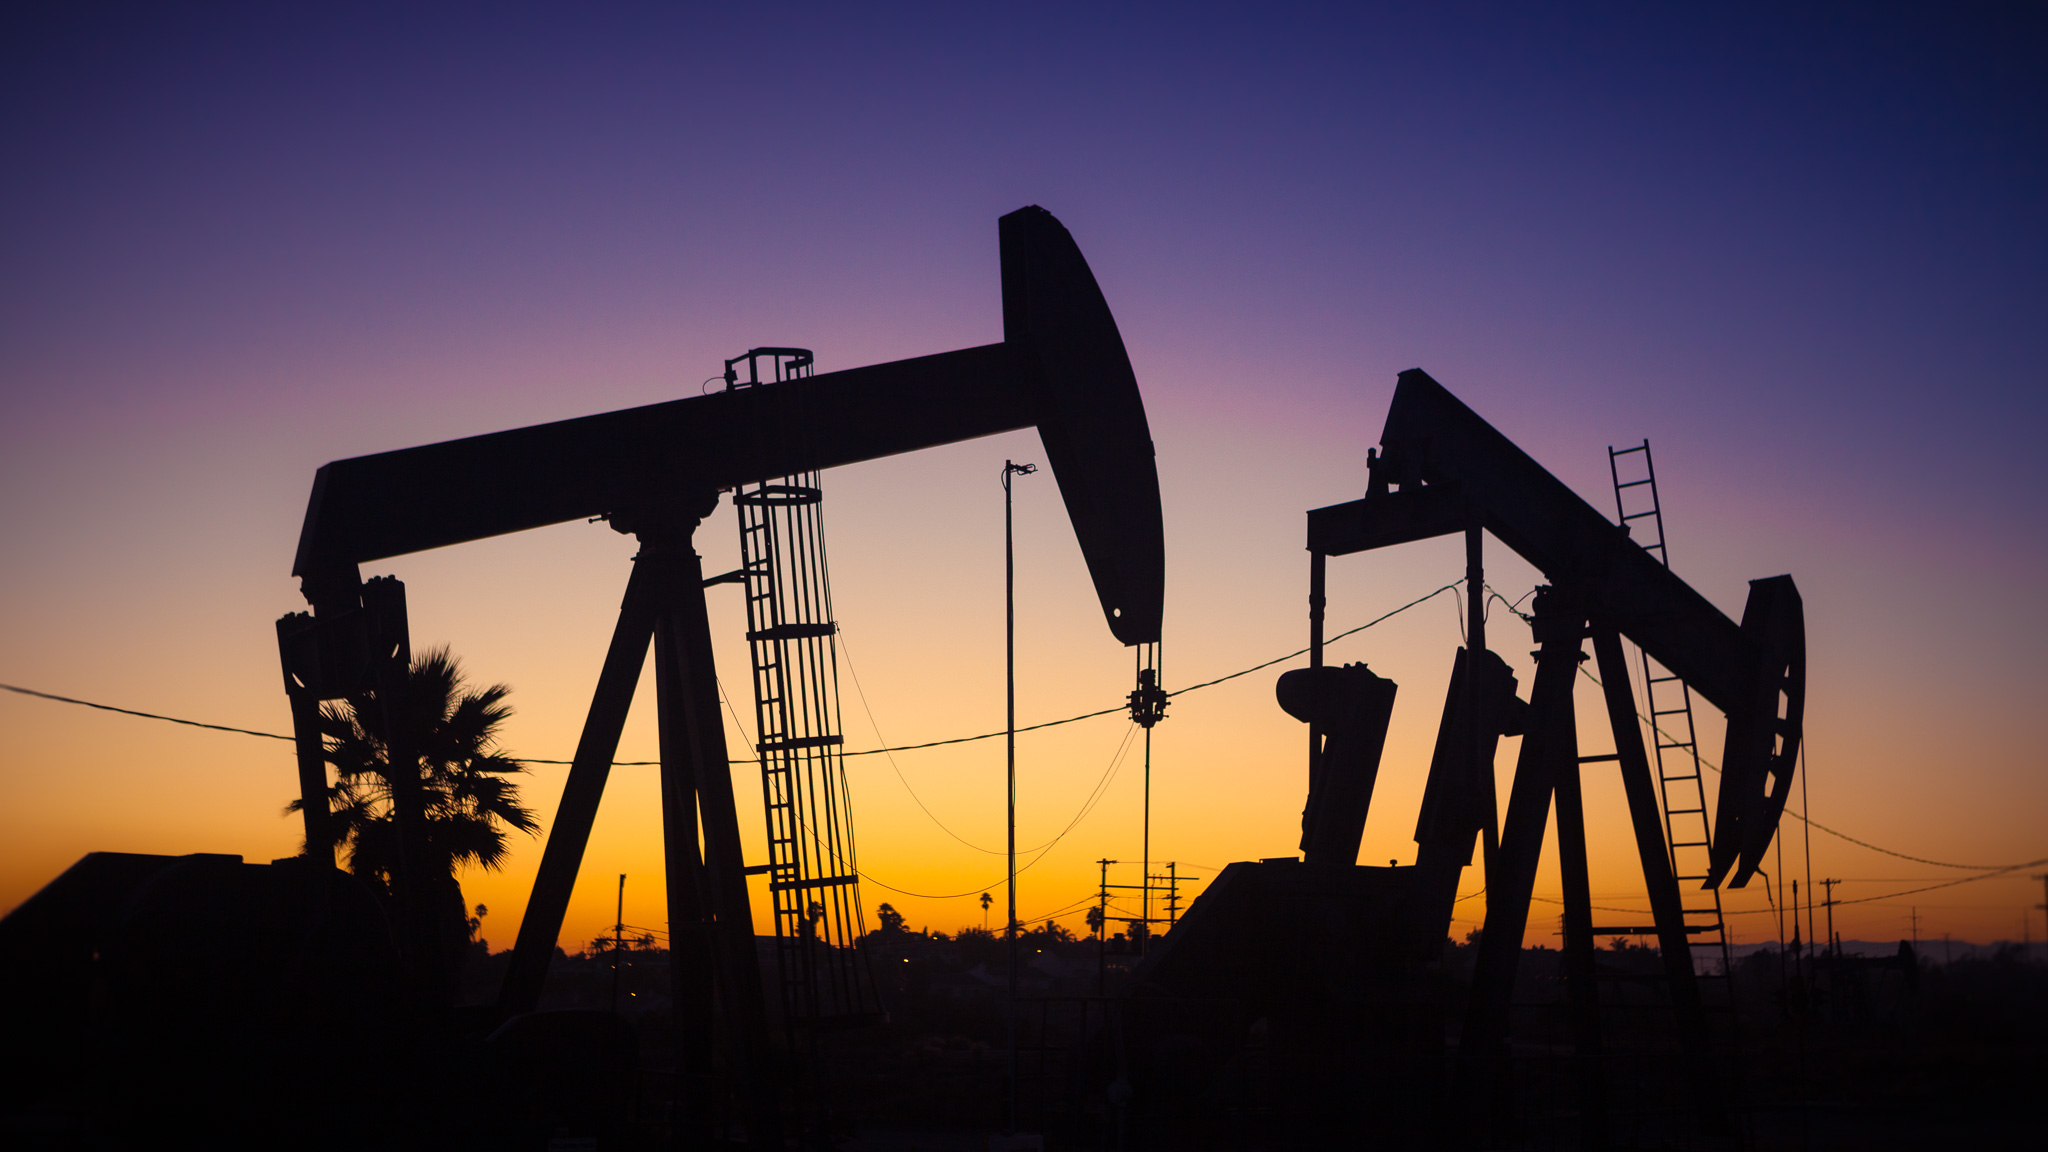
(467, 793)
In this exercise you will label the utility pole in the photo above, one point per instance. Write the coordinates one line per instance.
(618, 942)
(1916, 930)
(1010, 733)
(1834, 946)
(1102, 931)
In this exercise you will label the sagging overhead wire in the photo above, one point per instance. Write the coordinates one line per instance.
(1494, 594)
(144, 715)
(862, 693)
(1987, 870)
(1088, 805)
(859, 752)
(1043, 850)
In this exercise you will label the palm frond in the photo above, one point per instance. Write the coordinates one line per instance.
(468, 797)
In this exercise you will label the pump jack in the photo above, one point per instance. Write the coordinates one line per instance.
(1357, 1025)
(1444, 470)
(655, 472)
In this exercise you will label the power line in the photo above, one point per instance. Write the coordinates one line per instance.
(1043, 850)
(1087, 806)
(1987, 870)
(144, 715)
(1121, 707)
(893, 766)
(1945, 883)
(860, 752)
(1275, 660)
(1815, 824)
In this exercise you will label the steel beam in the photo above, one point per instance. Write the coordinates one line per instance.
(570, 835)
(693, 961)
(1667, 911)
(1438, 459)
(1061, 367)
(1433, 441)
(370, 507)
(1483, 1076)
(1561, 745)
(724, 913)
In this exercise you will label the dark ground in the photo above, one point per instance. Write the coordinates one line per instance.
(1859, 1055)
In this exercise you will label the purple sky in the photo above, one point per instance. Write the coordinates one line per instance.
(1802, 254)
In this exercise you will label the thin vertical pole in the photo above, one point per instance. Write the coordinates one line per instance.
(1829, 886)
(1102, 931)
(1806, 830)
(1317, 600)
(1475, 643)
(1148, 707)
(1145, 875)
(1010, 738)
(1010, 468)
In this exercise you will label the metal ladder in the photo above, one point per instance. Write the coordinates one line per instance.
(1669, 703)
(812, 876)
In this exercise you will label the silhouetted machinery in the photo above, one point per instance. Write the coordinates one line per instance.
(1337, 964)
(655, 472)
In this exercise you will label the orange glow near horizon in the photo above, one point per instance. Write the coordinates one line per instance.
(919, 602)
(240, 244)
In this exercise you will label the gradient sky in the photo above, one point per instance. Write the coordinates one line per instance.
(1802, 254)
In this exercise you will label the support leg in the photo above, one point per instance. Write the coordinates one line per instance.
(1580, 983)
(692, 947)
(570, 835)
(1666, 908)
(1482, 1075)
(685, 639)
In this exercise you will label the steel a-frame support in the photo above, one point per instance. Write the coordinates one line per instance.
(1546, 774)
(711, 928)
